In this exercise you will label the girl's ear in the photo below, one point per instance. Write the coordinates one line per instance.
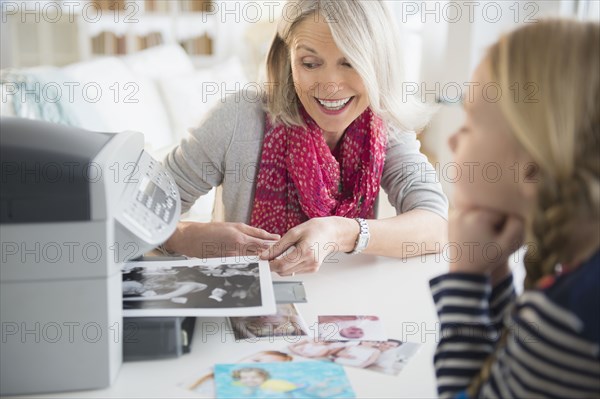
(528, 182)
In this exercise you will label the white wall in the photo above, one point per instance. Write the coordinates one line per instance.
(5, 46)
(452, 49)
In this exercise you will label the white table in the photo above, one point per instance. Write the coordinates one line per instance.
(396, 290)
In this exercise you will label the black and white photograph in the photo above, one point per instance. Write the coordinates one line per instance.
(197, 287)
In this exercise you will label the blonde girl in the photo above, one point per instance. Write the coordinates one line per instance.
(546, 127)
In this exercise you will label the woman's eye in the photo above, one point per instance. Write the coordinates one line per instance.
(310, 65)
(347, 64)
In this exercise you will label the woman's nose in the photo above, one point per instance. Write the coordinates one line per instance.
(332, 82)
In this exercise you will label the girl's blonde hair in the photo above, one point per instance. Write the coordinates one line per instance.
(549, 74)
(556, 119)
(366, 34)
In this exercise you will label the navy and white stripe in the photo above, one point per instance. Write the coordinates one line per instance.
(553, 346)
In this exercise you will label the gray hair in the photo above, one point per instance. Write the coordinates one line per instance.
(367, 35)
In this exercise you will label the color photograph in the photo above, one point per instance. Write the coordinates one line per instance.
(282, 380)
(203, 383)
(387, 357)
(287, 322)
(351, 328)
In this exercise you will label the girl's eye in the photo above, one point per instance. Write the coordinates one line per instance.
(347, 64)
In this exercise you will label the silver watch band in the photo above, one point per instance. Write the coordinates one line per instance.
(363, 237)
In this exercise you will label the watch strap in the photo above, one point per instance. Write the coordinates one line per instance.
(363, 237)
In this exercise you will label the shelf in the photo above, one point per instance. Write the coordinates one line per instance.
(158, 22)
(41, 41)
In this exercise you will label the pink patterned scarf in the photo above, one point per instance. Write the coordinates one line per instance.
(299, 177)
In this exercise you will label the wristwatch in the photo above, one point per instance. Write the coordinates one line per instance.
(363, 237)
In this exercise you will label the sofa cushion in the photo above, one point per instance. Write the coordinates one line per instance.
(160, 61)
(38, 93)
(188, 97)
(121, 99)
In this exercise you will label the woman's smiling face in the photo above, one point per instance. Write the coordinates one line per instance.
(328, 87)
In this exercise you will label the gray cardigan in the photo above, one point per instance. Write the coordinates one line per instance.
(225, 150)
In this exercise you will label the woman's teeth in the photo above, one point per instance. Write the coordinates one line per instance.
(334, 105)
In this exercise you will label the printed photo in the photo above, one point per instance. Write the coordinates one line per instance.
(197, 287)
(287, 322)
(204, 383)
(282, 380)
(351, 328)
(394, 355)
(387, 357)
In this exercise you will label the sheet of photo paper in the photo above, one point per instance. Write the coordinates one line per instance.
(351, 328)
(203, 383)
(237, 286)
(387, 357)
(289, 292)
(287, 322)
(282, 380)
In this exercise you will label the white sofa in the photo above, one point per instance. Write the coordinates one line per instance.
(156, 91)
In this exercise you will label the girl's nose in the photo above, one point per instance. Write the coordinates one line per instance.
(453, 142)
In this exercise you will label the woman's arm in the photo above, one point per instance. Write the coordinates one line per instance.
(210, 240)
(198, 164)
(410, 234)
(409, 179)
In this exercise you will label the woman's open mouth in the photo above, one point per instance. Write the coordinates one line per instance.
(334, 107)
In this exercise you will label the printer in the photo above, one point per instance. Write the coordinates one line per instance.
(74, 205)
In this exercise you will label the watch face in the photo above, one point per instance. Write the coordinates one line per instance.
(362, 241)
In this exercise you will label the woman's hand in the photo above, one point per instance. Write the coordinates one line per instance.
(304, 248)
(211, 240)
(481, 240)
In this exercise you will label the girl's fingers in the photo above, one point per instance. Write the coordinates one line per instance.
(513, 234)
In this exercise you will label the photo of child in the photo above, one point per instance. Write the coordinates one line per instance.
(205, 384)
(256, 379)
(287, 322)
(282, 380)
(357, 355)
(387, 357)
(315, 349)
(351, 328)
(394, 355)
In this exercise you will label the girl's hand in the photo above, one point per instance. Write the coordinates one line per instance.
(210, 240)
(481, 240)
(304, 248)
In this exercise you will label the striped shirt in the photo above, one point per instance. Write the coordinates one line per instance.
(553, 344)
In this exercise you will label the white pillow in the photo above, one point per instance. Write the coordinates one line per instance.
(188, 97)
(159, 61)
(121, 100)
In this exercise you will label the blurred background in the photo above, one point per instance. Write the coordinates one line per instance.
(156, 66)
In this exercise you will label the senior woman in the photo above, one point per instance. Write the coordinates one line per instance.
(303, 166)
